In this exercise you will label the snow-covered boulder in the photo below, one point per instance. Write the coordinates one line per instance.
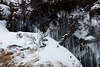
(24, 51)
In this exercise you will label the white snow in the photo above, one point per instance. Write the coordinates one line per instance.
(89, 38)
(5, 10)
(94, 22)
(82, 34)
(57, 54)
(61, 14)
(83, 30)
(96, 6)
(32, 54)
(2, 26)
(13, 1)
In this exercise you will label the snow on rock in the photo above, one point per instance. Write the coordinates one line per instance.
(16, 2)
(26, 52)
(13, 1)
(61, 14)
(5, 10)
(83, 28)
(3, 23)
(81, 33)
(96, 6)
(94, 22)
(89, 38)
(3, 26)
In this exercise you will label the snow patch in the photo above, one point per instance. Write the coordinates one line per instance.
(89, 38)
(3, 26)
(81, 33)
(96, 6)
(5, 10)
(94, 22)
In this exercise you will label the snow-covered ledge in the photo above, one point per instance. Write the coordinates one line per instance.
(22, 49)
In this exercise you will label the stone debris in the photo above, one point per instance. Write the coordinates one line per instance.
(5, 58)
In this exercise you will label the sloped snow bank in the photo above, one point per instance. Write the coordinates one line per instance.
(3, 26)
(26, 51)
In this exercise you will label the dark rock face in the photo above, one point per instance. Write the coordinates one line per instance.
(43, 12)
